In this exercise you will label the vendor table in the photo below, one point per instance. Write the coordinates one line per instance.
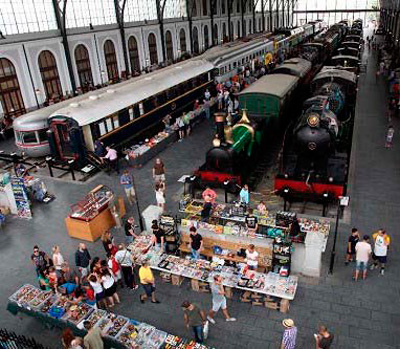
(118, 331)
(269, 285)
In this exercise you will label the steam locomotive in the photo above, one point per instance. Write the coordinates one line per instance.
(316, 155)
(265, 106)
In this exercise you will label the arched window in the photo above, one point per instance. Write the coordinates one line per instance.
(134, 54)
(206, 44)
(153, 49)
(250, 28)
(196, 40)
(223, 6)
(232, 32)
(237, 6)
(244, 31)
(10, 93)
(260, 24)
(82, 61)
(111, 61)
(169, 46)
(224, 36)
(215, 39)
(205, 11)
(238, 29)
(182, 40)
(49, 72)
(194, 9)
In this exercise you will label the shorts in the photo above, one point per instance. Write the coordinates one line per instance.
(130, 192)
(159, 178)
(216, 305)
(99, 296)
(361, 265)
(380, 259)
(148, 289)
(84, 271)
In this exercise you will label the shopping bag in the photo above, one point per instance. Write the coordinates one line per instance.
(206, 328)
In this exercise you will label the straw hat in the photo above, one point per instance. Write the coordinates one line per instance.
(288, 323)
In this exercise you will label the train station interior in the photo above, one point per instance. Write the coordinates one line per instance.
(194, 174)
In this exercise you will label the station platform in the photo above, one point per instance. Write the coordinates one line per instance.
(361, 315)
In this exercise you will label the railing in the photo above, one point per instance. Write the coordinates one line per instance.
(10, 340)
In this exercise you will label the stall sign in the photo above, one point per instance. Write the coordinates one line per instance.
(21, 197)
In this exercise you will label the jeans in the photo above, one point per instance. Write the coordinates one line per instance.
(198, 333)
(195, 254)
(157, 247)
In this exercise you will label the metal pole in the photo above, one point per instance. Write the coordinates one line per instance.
(137, 205)
(333, 253)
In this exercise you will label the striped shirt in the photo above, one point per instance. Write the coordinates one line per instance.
(289, 338)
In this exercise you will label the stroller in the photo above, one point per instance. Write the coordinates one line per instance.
(39, 191)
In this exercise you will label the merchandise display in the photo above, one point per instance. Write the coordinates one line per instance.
(118, 329)
(138, 150)
(238, 277)
(92, 204)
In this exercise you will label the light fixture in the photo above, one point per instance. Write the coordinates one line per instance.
(330, 179)
(325, 195)
(286, 190)
(286, 175)
(313, 120)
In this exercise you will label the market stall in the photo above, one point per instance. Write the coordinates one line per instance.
(270, 289)
(227, 223)
(93, 215)
(118, 331)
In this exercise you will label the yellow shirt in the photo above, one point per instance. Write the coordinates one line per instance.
(387, 238)
(145, 273)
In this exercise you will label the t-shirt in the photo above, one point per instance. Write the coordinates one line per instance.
(129, 226)
(353, 241)
(158, 233)
(39, 259)
(251, 221)
(380, 248)
(215, 293)
(159, 169)
(126, 181)
(111, 155)
(97, 288)
(196, 241)
(123, 257)
(325, 343)
(194, 316)
(93, 339)
(363, 250)
(206, 211)
(252, 258)
(108, 281)
(145, 273)
(244, 196)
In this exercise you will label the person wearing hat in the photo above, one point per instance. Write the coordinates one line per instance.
(289, 335)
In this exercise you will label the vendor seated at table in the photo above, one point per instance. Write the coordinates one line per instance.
(211, 193)
(196, 243)
(251, 222)
(207, 209)
(252, 257)
(262, 209)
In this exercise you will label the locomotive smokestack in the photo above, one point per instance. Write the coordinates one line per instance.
(220, 122)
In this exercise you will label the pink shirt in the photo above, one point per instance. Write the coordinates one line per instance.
(363, 250)
(111, 155)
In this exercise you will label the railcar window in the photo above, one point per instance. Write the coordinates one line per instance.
(29, 137)
(234, 64)
(102, 128)
(131, 114)
(18, 136)
(109, 124)
(42, 136)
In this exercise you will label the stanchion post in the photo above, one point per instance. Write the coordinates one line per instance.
(137, 205)
(71, 169)
(49, 163)
(343, 201)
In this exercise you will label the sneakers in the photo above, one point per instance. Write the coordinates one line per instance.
(211, 320)
(372, 267)
(230, 319)
(382, 272)
(134, 288)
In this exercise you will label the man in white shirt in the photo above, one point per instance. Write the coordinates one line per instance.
(252, 257)
(363, 251)
(112, 158)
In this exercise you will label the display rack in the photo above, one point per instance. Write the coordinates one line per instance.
(281, 261)
(172, 237)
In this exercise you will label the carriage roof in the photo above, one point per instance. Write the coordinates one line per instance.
(297, 67)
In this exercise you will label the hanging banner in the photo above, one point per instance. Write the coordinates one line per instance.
(21, 197)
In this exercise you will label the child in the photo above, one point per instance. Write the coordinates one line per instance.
(389, 137)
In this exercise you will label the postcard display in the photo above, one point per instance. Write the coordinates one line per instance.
(268, 285)
(119, 331)
(21, 197)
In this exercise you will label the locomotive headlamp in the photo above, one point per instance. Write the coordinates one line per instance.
(313, 120)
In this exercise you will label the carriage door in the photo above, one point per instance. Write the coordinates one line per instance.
(62, 139)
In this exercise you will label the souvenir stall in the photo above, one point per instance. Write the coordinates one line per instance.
(93, 215)
(139, 154)
(270, 289)
(117, 331)
(308, 236)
